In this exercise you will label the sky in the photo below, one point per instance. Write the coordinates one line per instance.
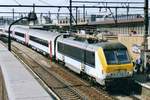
(54, 2)
(61, 3)
(57, 2)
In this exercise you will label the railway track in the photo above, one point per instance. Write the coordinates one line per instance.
(65, 85)
(88, 93)
(76, 88)
(63, 90)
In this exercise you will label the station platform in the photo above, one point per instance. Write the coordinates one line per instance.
(18, 82)
(144, 85)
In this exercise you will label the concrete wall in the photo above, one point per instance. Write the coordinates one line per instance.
(129, 41)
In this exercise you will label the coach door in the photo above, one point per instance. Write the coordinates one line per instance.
(83, 60)
(50, 50)
(13, 33)
(26, 38)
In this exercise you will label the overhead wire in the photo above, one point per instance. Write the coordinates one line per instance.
(16, 2)
(44, 2)
(66, 1)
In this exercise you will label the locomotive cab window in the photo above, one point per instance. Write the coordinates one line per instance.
(116, 56)
(110, 57)
(123, 56)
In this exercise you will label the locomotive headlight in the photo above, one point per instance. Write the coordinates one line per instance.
(130, 73)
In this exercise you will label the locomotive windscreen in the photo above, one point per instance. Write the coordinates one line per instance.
(117, 56)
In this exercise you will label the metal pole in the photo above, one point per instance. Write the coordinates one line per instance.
(127, 13)
(76, 16)
(70, 16)
(33, 12)
(84, 13)
(128, 10)
(49, 13)
(13, 13)
(41, 16)
(9, 37)
(146, 23)
(128, 16)
(116, 15)
(79, 14)
(58, 15)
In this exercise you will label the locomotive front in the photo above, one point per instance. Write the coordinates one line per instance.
(115, 61)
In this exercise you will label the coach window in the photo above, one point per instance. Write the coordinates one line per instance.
(74, 52)
(77, 53)
(19, 34)
(40, 41)
(60, 47)
(70, 51)
(7, 31)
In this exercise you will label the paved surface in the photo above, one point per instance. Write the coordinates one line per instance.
(20, 84)
(142, 80)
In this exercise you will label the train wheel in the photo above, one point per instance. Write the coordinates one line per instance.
(58, 61)
(92, 81)
(83, 76)
(61, 62)
(44, 53)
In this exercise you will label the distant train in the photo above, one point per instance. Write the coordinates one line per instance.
(102, 62)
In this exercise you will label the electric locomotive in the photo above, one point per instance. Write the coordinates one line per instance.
(103, 61)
